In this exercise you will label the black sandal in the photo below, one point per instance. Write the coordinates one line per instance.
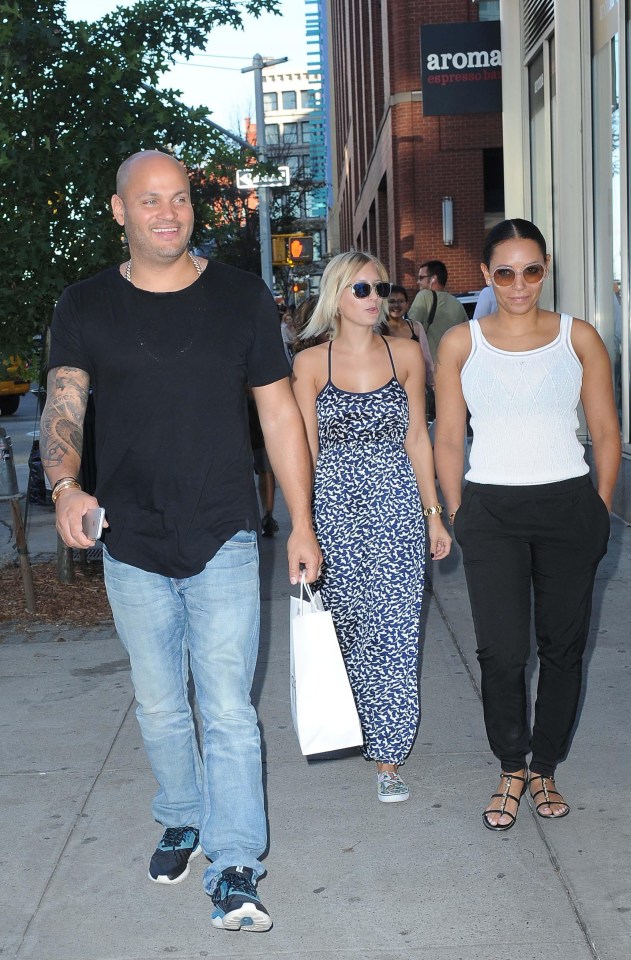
(549, 796)
(503, 797)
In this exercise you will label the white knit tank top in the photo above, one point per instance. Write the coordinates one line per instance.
(523, 411)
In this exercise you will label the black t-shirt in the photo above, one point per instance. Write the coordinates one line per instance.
(168, 373)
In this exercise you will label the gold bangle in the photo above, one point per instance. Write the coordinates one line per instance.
(452, 517)
(430, 511)
(66, 483)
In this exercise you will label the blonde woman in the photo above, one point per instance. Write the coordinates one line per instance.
(361, 397)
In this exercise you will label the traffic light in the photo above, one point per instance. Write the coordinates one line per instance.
(299, 249)
(300, 291)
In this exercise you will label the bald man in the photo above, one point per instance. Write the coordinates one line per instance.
(168, 342)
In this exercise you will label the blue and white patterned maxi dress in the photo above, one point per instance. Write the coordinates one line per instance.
(369, 522)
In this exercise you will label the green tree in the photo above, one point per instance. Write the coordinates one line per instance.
(76, 98)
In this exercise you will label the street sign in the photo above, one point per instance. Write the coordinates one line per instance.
(248, 180)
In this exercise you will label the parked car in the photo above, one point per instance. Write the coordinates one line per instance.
(14, 382)
(468, 301)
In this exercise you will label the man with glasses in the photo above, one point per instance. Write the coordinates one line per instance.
(434, 308)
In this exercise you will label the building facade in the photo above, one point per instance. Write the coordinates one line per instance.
(293, 132)
(392, 166)
(567, 101)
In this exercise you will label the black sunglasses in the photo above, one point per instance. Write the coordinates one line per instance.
(362, 290)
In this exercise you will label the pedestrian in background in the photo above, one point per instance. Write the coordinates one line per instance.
(434, 308)
(362, 399)
(399, 325)
(168, 342)
(529, 517)
(263, 470)
(301, 318)
(487, 302)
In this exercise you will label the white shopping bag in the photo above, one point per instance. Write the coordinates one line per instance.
(322, 705)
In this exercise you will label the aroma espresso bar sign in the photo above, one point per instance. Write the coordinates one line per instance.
(461, 68)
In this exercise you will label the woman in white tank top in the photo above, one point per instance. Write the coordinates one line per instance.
(529, 519)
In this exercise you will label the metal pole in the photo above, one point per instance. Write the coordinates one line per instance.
(25, 565)
(265, 232)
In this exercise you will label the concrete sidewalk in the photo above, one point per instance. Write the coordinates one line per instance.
(348, 877)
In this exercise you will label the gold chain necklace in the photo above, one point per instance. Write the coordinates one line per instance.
(195, 261)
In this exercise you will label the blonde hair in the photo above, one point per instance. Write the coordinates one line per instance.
(339, 274)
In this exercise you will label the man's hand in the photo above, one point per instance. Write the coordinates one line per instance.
(70, 509)
(303, 548)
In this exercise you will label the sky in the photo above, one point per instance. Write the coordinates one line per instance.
(214, 79)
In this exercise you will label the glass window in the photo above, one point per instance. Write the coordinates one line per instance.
(272, 133)
(289, 99)
(307, 99)
(306, 131)
(270, 102)
(489, 9)
(538, 147)
(493, 171)
(290, 133)
(607, 205)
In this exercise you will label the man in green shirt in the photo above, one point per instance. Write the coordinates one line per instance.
(434, 308)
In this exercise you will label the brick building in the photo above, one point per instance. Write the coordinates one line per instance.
(391, 165)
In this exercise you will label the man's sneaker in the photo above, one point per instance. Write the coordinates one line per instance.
(391, 788)
(169, 864)
(237, 905)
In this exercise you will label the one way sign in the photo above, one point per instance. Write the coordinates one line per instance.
(247, 180)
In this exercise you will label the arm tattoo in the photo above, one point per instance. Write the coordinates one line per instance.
(61, 429)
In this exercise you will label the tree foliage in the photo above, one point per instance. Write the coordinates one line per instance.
(76, 98)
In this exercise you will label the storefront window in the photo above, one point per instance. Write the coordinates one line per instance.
(554, 125)
(540, 157)
(538, 179)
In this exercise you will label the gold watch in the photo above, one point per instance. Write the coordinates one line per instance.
(430, 511)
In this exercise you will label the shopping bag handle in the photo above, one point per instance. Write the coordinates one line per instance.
(304, 588)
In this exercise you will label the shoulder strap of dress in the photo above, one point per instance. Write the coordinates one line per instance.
(390, 355)
(330, 345)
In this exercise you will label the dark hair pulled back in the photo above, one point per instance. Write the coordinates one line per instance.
(512, 230)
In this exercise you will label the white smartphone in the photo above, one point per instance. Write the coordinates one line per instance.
(93, 523)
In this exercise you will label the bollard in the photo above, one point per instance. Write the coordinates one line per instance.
(9, 491)
(8, 477)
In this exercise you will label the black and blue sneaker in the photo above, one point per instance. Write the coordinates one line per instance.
(169, 864)
(237, 904)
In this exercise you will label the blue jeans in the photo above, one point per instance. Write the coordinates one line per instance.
(211, 619)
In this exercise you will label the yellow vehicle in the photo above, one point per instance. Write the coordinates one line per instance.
(14, 381)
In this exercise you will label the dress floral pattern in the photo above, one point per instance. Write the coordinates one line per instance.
(369, 522)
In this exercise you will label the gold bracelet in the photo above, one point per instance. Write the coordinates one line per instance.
(452, 517)
(65, 483)
(430, 511)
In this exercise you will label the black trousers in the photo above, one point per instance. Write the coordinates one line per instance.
(547, 539)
